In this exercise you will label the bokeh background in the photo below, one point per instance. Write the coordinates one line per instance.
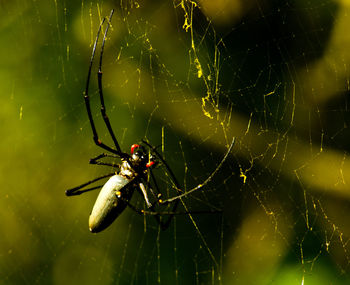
(187, 76)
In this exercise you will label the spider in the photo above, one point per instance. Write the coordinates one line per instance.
(132, 172)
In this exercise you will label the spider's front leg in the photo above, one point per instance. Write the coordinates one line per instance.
(96, 160)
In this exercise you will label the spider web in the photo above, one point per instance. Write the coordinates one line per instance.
(187, 76)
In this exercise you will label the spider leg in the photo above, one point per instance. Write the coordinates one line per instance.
(96, 160)
(144, 193)
(157, 195)
(155, 213)
(75, 190)
(96, 139)
(165, 224)
(84, 190)
(180, 195)
(167, 167)
(206, 181)
(99, 78)
(153, 149)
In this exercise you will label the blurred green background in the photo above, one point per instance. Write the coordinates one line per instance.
(186, 75)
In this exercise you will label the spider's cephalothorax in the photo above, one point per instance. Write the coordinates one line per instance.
(140, 160)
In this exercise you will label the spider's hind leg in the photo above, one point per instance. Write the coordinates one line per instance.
(77, 190)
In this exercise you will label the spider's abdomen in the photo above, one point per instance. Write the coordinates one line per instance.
(108, 206)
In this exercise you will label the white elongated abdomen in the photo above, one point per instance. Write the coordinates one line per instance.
(107, 206)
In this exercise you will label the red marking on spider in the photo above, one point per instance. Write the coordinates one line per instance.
(133, 147)
(149, 164)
